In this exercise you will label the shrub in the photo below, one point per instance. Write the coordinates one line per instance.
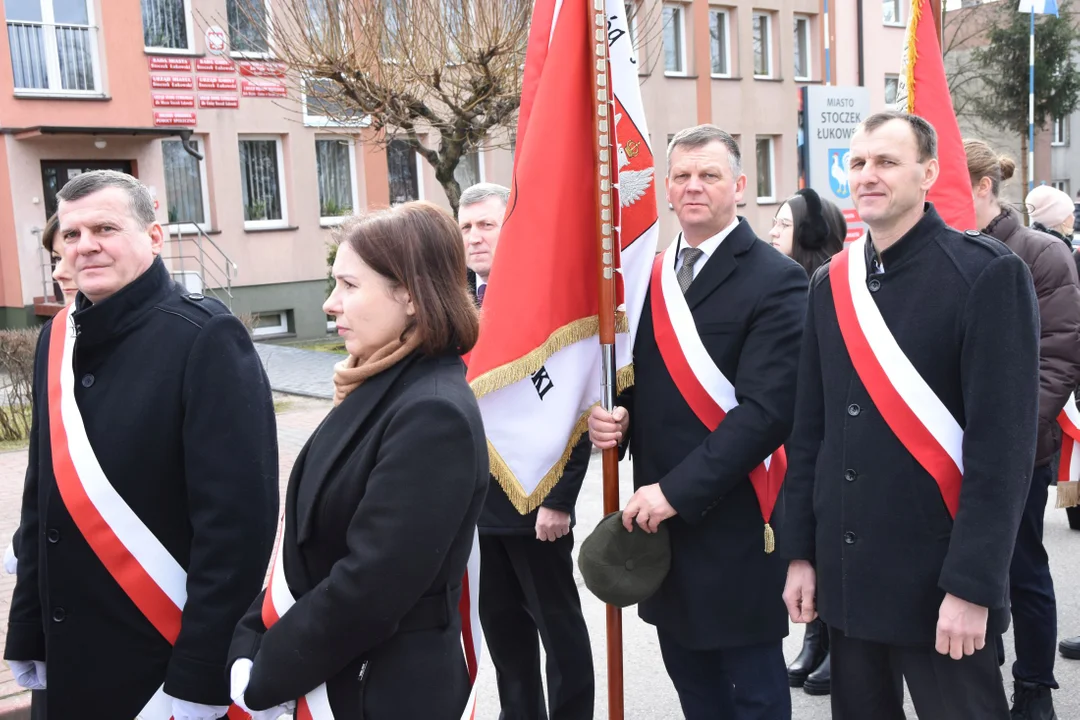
(17, 348)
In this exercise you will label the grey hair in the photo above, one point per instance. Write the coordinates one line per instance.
(142, 205)
(480, 192)
(700, 136)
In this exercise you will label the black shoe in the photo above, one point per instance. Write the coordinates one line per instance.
(1070, 648)
(820, 681)
(1032, 702)
(815, 647)
(1073, 514)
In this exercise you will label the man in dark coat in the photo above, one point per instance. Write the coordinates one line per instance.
(910, 464)
(527, 586)
(153, 403)
(718, 613)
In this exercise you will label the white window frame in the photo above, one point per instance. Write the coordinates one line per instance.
(481, 176)
(281, 328)
(891, 76)
(204, 189)
(770, 70)
(268, 224)
(764, 199)
(1059, 132)
(189, 24)
(323, 121)
(900, 20)
(681, 34)
(726, 14)
(331, 221)
(1062, 185)
(809, 45)
(52, 55)
(246, 55)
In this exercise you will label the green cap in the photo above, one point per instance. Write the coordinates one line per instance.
(623, 568)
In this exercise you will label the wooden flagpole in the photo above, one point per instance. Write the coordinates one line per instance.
(604, 141)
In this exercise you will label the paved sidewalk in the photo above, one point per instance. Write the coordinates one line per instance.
(297, 371)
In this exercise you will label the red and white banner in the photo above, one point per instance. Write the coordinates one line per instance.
(701, 383)
(278, 599)
(1068, 488)
(536, 367)
(908, 405)
(133, 556)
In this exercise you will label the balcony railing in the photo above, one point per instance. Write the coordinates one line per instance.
(54, 58)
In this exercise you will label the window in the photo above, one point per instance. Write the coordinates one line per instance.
(674, 41)
(891, 12)
(1060, 129)
(53, 46)
(802, 47)
(766, 190)
(248, 26)
(403, 172)
(335, 165)
(1062, 185)
(762, 45)
(631, 9)
(720, 43)
(323, 108)
(165, 24)
(261, 172)
(270, 323)
(185, 185)
(468, 171)
(892, 87)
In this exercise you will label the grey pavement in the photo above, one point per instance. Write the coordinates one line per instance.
(298, 371)
(649, 694)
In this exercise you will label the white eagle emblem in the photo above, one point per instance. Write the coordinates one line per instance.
(632, 183)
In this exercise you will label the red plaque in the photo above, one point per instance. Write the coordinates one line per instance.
(262, 69)
(217, 83)
(214, 64)
(219, 101)
(264, 90)
(171, 64)
(170, 100)
(165, 119)
(172, 82)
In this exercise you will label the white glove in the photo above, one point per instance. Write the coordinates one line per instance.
(184, 710)
(29, 674)
(239, 676)
(11, 563)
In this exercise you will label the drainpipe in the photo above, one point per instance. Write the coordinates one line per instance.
(859, 23)
(190, 147)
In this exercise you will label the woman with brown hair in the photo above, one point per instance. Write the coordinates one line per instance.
(808, 229)
(362, 609)
(63, 276)
(1031, 588)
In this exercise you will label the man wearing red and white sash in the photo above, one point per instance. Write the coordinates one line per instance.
(914, 440)
(715, 361)
(151, 495)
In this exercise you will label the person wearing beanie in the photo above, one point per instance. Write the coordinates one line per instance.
(1031, 587)
(1051, 211)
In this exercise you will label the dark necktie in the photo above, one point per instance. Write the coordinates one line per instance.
(685, 275)
(480, 294)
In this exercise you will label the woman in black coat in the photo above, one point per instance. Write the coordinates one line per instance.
(382, 505)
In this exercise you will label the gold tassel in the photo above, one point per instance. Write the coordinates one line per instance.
(770, 539)
(1068, 494)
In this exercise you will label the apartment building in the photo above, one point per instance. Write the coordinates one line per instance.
(250, 178)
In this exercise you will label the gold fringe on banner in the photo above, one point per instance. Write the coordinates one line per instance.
(912, 53)
(770, 539)
(525, 504)
(1068, 494)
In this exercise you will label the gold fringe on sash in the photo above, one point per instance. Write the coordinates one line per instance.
(770, 539)
(1068, 494)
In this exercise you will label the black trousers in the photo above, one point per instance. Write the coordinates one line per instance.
(1031, 591)
(743, 683)
(528, 595)
(868, 682)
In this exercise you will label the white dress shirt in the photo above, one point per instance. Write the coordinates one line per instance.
(707, 248)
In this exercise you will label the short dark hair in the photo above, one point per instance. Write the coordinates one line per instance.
(48, 235)
(702, 135)
(418, 245)
(925, 134)
(88, 183)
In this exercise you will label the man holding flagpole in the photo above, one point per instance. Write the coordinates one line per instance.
(715, 363)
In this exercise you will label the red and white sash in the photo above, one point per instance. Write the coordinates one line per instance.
(908, 405)
(702, 385)
(316, 704)
(135, 558)
(1068, 488)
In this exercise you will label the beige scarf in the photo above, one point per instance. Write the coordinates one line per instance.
(351, 372)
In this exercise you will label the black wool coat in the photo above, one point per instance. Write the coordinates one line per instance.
(179, 412)
(962, 308)
(380, 517)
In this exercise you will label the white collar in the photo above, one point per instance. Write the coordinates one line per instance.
(708, 247)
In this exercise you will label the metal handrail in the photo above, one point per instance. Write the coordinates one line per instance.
(180, 232)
